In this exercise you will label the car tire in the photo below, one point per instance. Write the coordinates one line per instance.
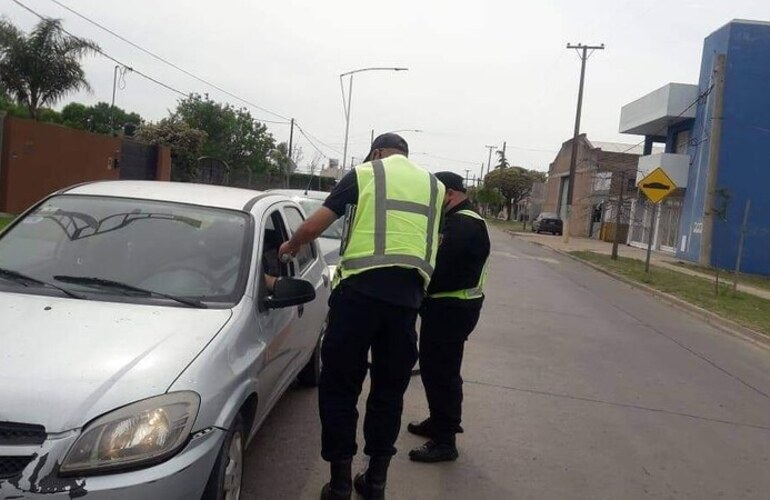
(310, 376)
(227, 476)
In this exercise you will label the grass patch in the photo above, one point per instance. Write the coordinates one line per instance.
(4, 221)
(509, 225)
(743, 308)
(744, 279)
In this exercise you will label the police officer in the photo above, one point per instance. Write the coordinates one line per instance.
(385, 268)
(448, 316)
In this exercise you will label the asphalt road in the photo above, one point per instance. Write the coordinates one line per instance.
(576, 386)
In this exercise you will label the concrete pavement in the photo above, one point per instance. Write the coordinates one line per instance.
(577, 386)
(656, 258)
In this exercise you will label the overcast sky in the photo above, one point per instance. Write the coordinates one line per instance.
(480, 72)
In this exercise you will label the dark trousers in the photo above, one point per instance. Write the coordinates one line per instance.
(356, 324)
(443, 332)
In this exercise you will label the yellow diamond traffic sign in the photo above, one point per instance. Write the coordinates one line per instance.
(657, 185)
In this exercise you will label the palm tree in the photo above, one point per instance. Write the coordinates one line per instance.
(38, 69)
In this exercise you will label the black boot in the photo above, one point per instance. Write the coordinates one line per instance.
(424, 428)
(370, 484)
(432, 452)
(341, 485)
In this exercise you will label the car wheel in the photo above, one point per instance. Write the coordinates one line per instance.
(225, 480)
(310, 376)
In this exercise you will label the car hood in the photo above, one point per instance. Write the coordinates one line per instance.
(64, 362)
(330, 248)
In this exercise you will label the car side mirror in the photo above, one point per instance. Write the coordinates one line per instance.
(289, 292)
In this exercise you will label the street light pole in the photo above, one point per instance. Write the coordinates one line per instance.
(346, 102)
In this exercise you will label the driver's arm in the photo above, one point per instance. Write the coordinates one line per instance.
(270, 282)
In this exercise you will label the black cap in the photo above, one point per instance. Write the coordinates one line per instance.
(451, 181)
(388, 141)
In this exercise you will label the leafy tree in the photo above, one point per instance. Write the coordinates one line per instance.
(12, 108)
(514, 184)
(100, 118)
(233, 134)
(186, 145)
(38, 69)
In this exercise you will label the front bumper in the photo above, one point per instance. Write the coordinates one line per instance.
(183, 476)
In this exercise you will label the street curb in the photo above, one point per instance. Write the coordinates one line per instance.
(725, 325)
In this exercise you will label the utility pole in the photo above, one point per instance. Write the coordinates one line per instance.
(372, 141)
(291, 147)
(618, 209)
(467, 176)
(584, 55)
(715, 144)
(504, 146)
(489, 162)
(481, 175)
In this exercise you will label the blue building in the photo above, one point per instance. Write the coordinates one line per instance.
(717, 153)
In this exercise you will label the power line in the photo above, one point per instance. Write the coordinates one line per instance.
(445, 158)
(104, 54)
(323, 143)
(305, 135)
(169, 63)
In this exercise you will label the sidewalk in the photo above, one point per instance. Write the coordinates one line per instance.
(657, 258)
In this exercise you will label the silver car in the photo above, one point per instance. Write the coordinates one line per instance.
(330, 240)
(141, 347)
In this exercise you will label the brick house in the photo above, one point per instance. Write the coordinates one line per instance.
(601, 169)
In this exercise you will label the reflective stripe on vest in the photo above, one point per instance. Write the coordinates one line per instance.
(476, 292)
(391, 231)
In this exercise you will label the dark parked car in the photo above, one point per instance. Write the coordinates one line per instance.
(547, 222)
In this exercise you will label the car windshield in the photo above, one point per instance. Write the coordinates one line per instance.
(334, 231)
(179, 250)
(548, 215)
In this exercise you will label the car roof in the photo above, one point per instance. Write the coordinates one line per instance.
(301, 193)
(179, 192)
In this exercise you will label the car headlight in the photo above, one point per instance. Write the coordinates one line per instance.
(140, 434)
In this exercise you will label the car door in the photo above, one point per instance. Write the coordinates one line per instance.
(309, 266)
(276, 325)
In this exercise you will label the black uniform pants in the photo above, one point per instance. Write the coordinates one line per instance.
(356, 324)
(443, 332)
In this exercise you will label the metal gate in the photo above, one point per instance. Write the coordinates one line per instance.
(139, 161)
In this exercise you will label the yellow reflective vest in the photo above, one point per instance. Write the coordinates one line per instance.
(396, 219)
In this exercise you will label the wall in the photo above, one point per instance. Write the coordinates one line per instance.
(589, 162)
(744, 160)
(581, 202)
(744, 156)
(39, 158)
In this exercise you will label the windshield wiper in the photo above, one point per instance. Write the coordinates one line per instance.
(23, 279)
(105, 283)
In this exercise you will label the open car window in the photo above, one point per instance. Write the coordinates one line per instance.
(306, 254)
